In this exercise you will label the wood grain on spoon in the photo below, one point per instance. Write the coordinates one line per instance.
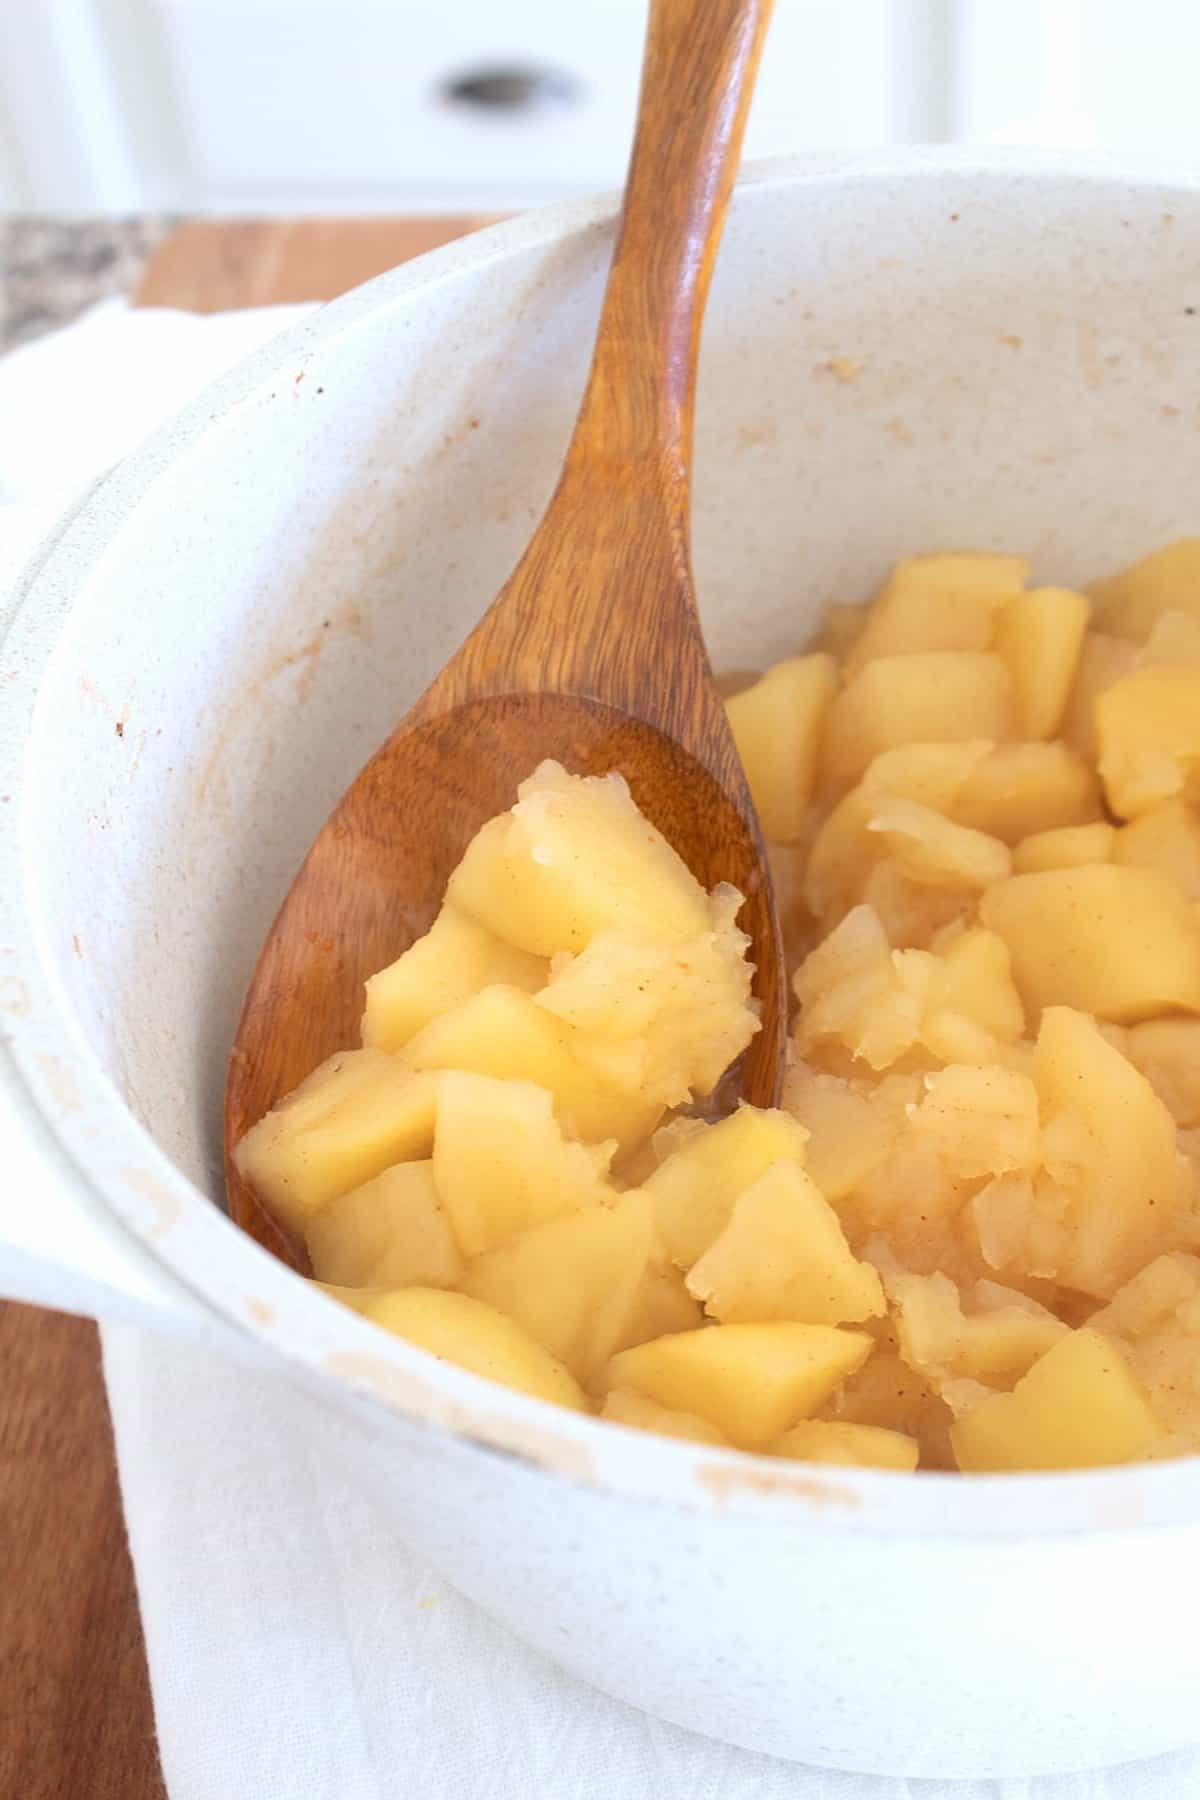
(592, 652)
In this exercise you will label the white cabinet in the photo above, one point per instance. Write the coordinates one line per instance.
(251, 105)
(359, 105)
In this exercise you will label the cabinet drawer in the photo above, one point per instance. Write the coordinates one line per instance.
(478, 104)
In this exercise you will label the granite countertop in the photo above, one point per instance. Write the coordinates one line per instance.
(51, 269)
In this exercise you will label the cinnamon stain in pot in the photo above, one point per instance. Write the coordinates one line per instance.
(727, 1482)
(254, 693)
(415, 1397)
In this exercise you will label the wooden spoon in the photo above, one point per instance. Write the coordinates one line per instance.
(592, 652)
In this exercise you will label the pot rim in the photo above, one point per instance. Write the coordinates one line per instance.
(104, 1155)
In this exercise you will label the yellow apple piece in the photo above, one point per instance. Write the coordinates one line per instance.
(1111, 1155)
(852, 1128)
(979, 1121)
(784, 1255)
(929, 696)
(501, 1163)
(889, 1395)
(974, 978)
(1102, 661)
(913, 913)
(1114, 940)
(852, 1446)
(1166, 838)
(1167, 1051)
(573, 1283)
(662, 1303)
(391, 1232)
(1148, 738)
(855, 989)
(354, 1116)
(694, 1188)
(934, 851)
(1154, 1320)
(665, 1020)
(623, 1407)
(939, 602)
(751, 1381)
(454, 959)
(1039, 634)
(1068, 847)
(1079, 1407)
(987, 1333)
(1019, 789)
(1168, 580)
(844, 851)
(574, 857)
(503, 1032)
(776, 726)
(459, 1329)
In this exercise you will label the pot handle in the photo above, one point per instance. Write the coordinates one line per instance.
(62, 1249)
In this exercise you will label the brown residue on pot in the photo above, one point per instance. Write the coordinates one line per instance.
(14, 997)
(60, 1079)
(165, 1206)
(259, 1311)
(724, 1482)
(414, 1396)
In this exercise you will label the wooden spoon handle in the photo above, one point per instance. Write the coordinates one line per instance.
(697, 80)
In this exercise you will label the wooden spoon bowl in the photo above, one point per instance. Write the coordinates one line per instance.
(592, 653)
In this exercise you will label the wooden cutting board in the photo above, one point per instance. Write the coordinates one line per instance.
(75, 1715)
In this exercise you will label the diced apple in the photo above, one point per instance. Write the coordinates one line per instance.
(459, 1329)
(1109, 939)
(1148, 737)
(932, 696)
(940, 602)
(1079, 1407)
(751, 1381)
(391, 1232)
(1168, 580)
(852, 1130)
(777, 727)
(1019, 789)
(455, 959)
(1167, 1051)
(1154, 1320)
(349, 1120)
(574, 857)
(665, 1020)
(1112, 1155)
(623, 1407)
(1166, 838)
(936, 852)
(855, 989)
(1102, 661)
(974, 978)
(1039, 634)
(979, 1121)
(502, 1031)
(990, 1334)
(784, 1255)
(1068, 847)
(852, 1446)
(501, 1163)
(889, 1395)
(694, 1189)
(574, 1282)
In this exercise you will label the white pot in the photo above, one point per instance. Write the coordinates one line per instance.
(901, 353)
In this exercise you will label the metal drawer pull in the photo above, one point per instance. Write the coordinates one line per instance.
(512, 89)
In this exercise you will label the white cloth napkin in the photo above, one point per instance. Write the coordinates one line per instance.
(297, 1650)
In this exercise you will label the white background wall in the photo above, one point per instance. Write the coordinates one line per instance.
(340, 105)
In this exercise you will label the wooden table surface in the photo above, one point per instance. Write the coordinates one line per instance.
(75, 1715)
